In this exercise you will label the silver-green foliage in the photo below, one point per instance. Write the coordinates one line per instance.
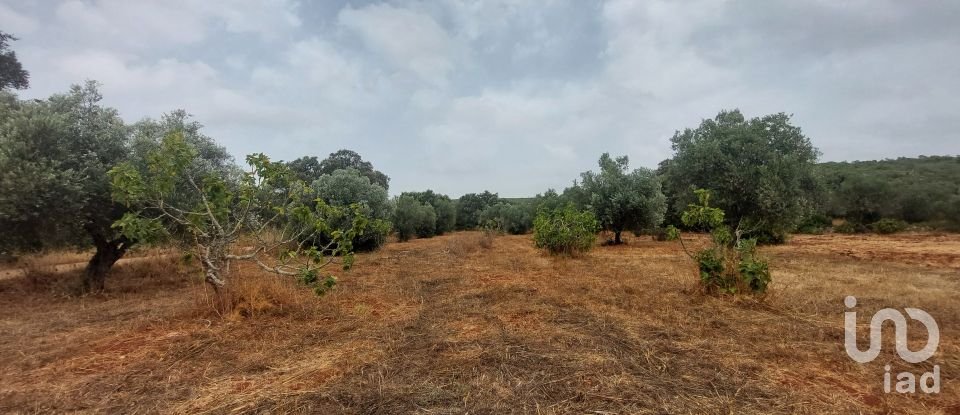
(413, 218)
(443, 206)
(760, 171)
(54, 190)
(12, 74)
(512, 218)
(623, 200)
(345, 187)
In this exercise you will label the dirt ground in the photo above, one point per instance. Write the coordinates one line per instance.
(445, 325)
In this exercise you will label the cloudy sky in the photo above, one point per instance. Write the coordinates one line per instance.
(507, 95)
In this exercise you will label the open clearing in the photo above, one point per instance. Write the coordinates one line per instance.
(444, 325)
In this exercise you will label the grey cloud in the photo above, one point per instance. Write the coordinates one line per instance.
(505, 95)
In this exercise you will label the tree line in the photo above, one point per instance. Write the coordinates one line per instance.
(74, 174)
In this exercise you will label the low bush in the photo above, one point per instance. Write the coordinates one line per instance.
(888, 226)
(731, 265)
(815, 224)
(565, 231)
(850, 227)
(953, 212)
(660, 234)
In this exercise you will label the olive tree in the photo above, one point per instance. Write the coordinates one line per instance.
(622, 200)
(863, 200)
(443, 206)
(346, 187)
(310, 168)
(760, 171)
(306, 168)
(469, 207)
(174, 195)
(54, 189)
(413, 218)
(512, 218)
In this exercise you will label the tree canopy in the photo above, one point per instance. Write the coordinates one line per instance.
(413, 218)
(54, 190)
(177, 196)
(760, 171)
(513, 218)
(444, 208)
(345, 187)
(622, 200)
(54, 159)
(309, 168)
(12, 74)
(915, 190)
(470, 205)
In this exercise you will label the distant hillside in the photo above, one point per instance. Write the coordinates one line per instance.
(944, 170)
(913, 189)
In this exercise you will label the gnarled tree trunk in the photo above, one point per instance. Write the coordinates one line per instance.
(215, 262)
(108, 253)
(616, 238)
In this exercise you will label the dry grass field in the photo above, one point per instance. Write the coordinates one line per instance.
(447, 325)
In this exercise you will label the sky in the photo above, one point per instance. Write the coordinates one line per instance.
(510, 96)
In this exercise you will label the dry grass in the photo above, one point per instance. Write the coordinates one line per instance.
(39, 265)
(445, 325)
(462, 244)
(47, 260)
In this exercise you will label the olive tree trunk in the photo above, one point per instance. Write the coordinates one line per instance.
(108, 253)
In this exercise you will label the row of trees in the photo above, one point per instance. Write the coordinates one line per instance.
(763, 174)
(924, 190)
(760, 171)
(72, 173)
(56, 190)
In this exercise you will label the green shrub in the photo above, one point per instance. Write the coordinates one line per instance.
(731, 265)
(412, 218)
(507, 217)
(815, 224)
(889, 226)
(659, 234)
(953, 214)
(850, 227)
(565, 231)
